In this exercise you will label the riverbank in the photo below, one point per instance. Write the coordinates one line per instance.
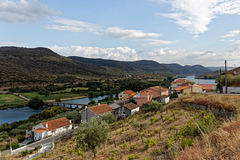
(67, 99)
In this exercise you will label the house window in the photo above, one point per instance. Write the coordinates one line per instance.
(123, 112)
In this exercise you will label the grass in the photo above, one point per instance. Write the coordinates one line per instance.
(69, 89)
(228, 102)
(134, 144)
(223, 143)
(193, 134)
(10, 99)
(51, 96)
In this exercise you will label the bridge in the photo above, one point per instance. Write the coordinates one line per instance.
(64, 104)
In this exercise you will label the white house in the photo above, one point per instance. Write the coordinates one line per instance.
(124, 95)
(51, 128)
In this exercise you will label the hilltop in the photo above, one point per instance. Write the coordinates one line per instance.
(44, 65)
(144, 66)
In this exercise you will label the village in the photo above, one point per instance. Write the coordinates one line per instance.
(128, 104)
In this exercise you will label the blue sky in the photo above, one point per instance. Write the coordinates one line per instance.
(187, 32)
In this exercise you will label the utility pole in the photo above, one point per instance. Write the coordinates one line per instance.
(10, 145)
(226, 77)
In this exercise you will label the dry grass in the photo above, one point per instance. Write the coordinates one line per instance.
(228, 102)
(125, 141)
(223, 143)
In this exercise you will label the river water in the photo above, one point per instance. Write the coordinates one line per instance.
(200, 81)
(16, 114)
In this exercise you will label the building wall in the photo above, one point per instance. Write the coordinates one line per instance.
(122, 112)
(141, 100)
(134, 110)
(193, 89)
(121, 95)
(153, 92)
(164, 100)
(87, 114)
(232, 90)
(37, 136)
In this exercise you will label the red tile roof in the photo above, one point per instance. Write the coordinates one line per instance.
(182, 88)
(40, 130)
(57, 123)
(208, 86)
(130, 93)
(131, 106)
(235, 71)
(159, 88)
(100, 109)
(181, 81)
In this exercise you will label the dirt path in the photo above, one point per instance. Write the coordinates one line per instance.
(66, 99)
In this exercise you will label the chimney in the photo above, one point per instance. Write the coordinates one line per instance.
(148, 97)
(46, 125)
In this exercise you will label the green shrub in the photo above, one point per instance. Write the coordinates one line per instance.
(186, 142)
(150, 142)
(167, 118)
(154, 119)
(157, 152)
(124, 145)
(134, 156)
(20, 138)
(24, 153)
(132, 147)
(1, 139)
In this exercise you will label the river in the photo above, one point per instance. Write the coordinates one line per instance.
(200, 81)
(17, 114)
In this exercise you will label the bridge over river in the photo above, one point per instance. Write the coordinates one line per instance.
(64, 104)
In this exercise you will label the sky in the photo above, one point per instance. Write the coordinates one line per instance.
(187, 32)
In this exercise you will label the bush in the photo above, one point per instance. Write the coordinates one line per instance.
(149, 143)
(36, 102)
(20, 138)
(186, 142)
(132, 147)
(154, 119)
(1, 139)
(24, 153)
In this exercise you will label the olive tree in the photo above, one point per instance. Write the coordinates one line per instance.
(92, 136)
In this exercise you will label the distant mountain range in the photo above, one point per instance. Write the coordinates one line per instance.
(141, 66)
(44, 65)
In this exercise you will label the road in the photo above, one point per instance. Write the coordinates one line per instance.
(39, 143)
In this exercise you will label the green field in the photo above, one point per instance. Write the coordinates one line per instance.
(51, 96)
(69, 89)
(10, 99)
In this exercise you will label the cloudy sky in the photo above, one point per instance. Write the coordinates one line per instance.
(187, 32)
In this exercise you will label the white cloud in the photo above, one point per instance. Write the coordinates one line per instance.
(158, 42)
(12, 44)
(118, 53)
(24, 11)
(73, 26)
(231, 34)
(185, 57)
(195, 15)
(117, 32)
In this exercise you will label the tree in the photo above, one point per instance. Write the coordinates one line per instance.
(36, 102)
(92, 136)
(155, 106)
(108, 117)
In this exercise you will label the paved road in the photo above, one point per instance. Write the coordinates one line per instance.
(39, 143)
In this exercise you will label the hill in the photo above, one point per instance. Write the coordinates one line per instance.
(173, 132)
(44, 65)
(144, 66)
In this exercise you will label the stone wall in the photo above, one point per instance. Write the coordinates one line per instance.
(217, 111)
